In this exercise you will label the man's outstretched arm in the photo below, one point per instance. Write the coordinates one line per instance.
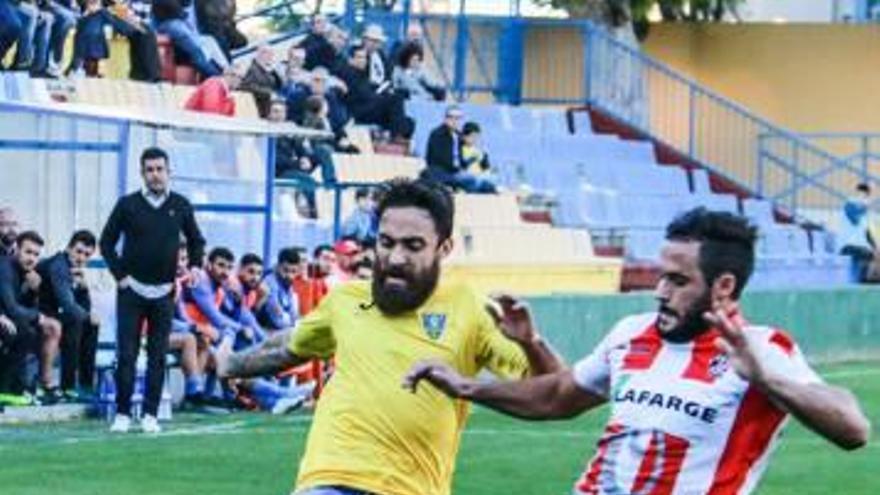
(269, 358)
(550, 396)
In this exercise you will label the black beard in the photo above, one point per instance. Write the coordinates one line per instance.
(399, 300)
(692, 323)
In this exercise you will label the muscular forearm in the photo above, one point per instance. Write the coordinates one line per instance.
(550, 396)
(267, 359)
(542, 358)
(831, 412)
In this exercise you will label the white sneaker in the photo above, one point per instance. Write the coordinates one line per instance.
(121, 424)
(150, 425)
(287, 405)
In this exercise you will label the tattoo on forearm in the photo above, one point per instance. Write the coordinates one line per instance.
(261, 361)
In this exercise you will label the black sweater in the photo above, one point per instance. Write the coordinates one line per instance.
(16, 301)
(152, 237)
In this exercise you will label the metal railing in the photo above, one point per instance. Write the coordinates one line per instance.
(772, 162)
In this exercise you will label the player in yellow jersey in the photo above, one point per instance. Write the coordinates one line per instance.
(370, 436)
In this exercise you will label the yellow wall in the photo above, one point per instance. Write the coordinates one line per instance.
(805, 77)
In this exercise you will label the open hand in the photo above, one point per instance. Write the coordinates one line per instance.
(736, 343)
(514, 318)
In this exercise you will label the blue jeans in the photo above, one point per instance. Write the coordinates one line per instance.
(332, 490)
(187, 40)
(465, 181)
(65, 20)
(10, 26)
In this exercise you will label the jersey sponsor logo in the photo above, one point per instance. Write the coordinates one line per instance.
(670, 402)
(434, 324)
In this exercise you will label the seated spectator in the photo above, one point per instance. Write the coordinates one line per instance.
(319, 51)
(338, 39)
(413, 39)
(64, 19)
(216, 18)
(337, 114)
(316, 115)
(215, 94)
(371, 104)
(65, 297)
(323, 264)
(261, 80)
(411, 77)
(11, 27)
(347, 253)
(362, 225)
(203, 51)
(294, 67)
(378, 66)
(208, 306)
(90, 40)
(185, 340)
(250, 287)
(856, 239)
(8, 230)
(35, 332)
(281, 310)
(444, 157)
(474, 158)
(32, 50)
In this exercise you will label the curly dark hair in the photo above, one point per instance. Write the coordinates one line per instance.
(427, 195)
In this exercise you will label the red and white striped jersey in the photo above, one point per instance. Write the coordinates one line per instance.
(682, 421)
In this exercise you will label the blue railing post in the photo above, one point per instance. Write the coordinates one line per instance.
(692, 120)
(511, 61)
(349, 18)
(461, 51)
(588, 41)
(269, 206)
(407, 8)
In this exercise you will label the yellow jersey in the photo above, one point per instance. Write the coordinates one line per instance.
(368, 432)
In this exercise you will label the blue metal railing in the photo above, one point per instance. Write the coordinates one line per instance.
(767, 159)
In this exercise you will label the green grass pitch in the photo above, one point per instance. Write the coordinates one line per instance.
(258, 454)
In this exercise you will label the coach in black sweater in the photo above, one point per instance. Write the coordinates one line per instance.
(151, 222)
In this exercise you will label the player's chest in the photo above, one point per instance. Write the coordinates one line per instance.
(677, 391)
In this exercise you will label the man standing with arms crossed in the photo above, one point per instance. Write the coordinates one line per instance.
(369, 436)
(698, 395)
(151, 222)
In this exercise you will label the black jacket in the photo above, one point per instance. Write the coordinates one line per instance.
(16, 302)
(263, 84)
(319, 53)
(152, 238)
(57, 291)
(440, 153)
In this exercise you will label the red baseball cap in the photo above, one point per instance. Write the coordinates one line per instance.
(346, 247)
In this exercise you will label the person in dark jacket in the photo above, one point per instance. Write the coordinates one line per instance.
(150, 222)
(36, 332)
(371, 104)
(65, 296)
(444, 157)
(169, 16)
(319, 51)
(379, 67)
(90, 41)
(217, 19)
(261, 80)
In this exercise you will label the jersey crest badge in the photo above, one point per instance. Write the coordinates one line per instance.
(719, 365)
(434, 324)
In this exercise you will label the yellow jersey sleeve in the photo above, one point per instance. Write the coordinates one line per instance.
(313, 335)
(497, 353)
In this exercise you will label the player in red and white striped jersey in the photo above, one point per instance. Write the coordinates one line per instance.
(698, 395)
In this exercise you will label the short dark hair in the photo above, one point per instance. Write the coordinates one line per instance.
(289, 255)
(85, 237)
(359, 47)
(29, 236)
(153, 153)
(407, 52)
(470, 128)
(430, 196)
(362, 192)
(222, 253)
(727, 243)
(313, 104)
(320, 249)
(864, 187)
(250, 259)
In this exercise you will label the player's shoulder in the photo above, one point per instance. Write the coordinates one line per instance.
(355, 290)
(773, 337)
(632, 325)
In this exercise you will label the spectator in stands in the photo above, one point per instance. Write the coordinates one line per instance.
(362, 225)
(411, 77)
(10, 27)
(150, 223)
(281, 310)
(33, 39)
(378, 66)
(90, 40)
(65, 296)
(261, 79)
(371, 104)
(347, 252)
(8, 230)
(323, 263)
(413, 39)
(253, 291)
(856, 239)
(218, 316)
(319, 51)
(294, 67)
(184, 340)
(37, 332)
(217, 19)
(339, 41)
(203, 51)
(214, 95)
(474, 159)
(64, 19)
(444, 157)
(332, 115)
